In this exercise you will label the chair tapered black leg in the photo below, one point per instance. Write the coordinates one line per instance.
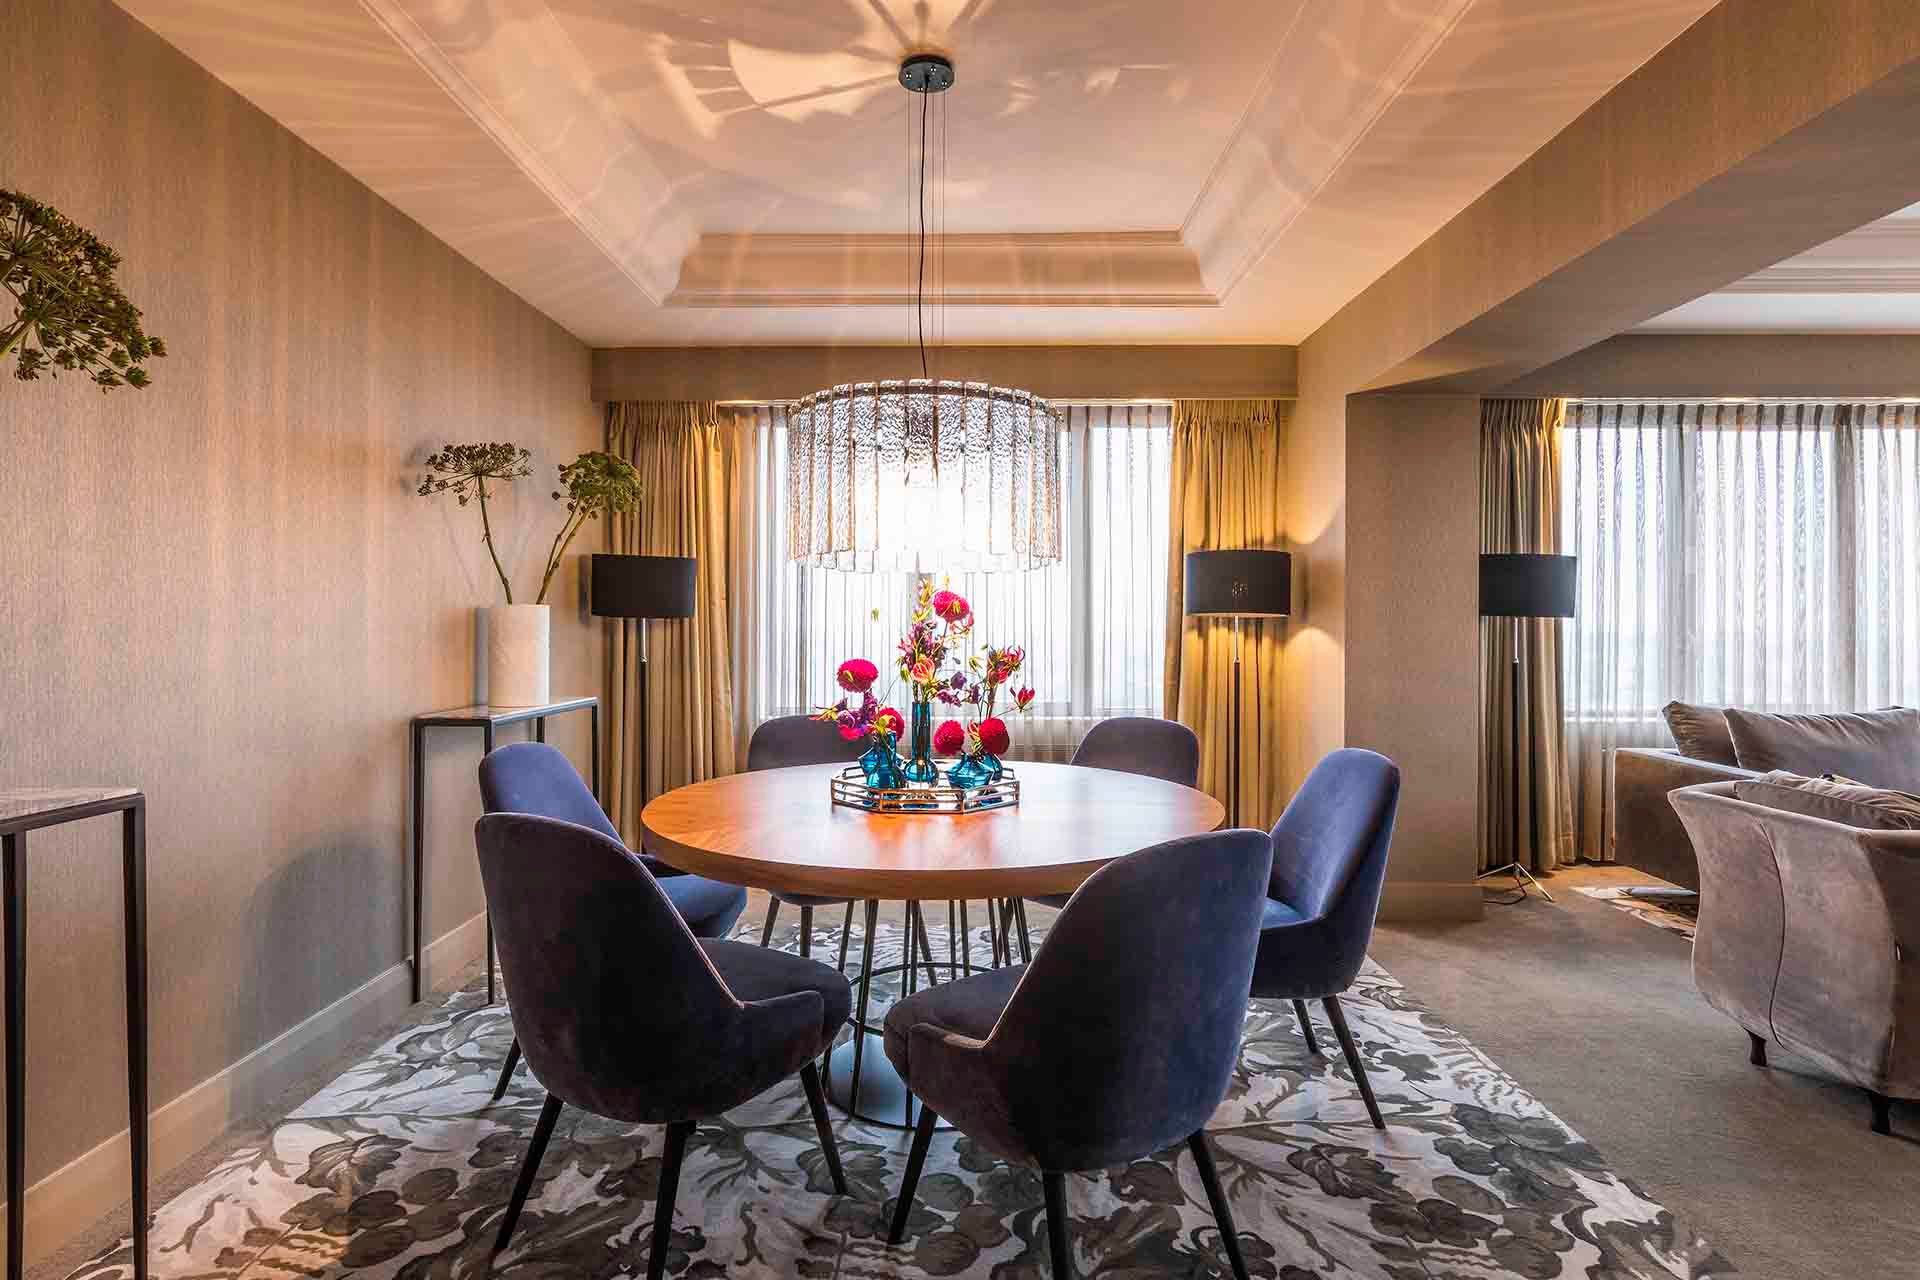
(1055, 1185)
(1222, 1213)
(529, 1166)
(916, 1157)
(817, 1103)
(1882, 1111)
(1359, 1068)
(1757, 1052)
(1306, 1025)
(766, 930)
(846, 932)
(806, 932)
(506, 1070)
(670, 1159)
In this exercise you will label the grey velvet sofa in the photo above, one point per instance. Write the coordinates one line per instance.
(1809, 937)
(1877, 747)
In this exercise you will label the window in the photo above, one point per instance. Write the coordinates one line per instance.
(1093, 625)
(1753, 555)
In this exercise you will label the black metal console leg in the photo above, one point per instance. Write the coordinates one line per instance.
(670, 1161)
(1055, 1185)
(529, 1167)
(506, 1069)
(134, 868)
(1359, 1068)
(1222, 1212)
(1757, 1052)
(1306, 1025)
(493, 991)
(817, 1103)
(916, 1157)
(13, 888)
(1882, 1111)
(419, 850)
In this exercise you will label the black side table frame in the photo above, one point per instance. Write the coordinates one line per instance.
(487, 720)
(21, 812)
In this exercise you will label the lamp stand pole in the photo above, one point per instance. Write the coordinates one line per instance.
(1521, 876)
(641, 624)
(1233, 736)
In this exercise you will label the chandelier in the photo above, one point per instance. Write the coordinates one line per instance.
(923, 474)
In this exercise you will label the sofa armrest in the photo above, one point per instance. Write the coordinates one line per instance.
(1647, 833)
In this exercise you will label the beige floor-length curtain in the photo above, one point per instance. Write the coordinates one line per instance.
(691, 459)
(1226, 495)
(1520, 512)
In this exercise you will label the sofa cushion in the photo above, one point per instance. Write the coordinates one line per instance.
(1700, 732)
(1851, 805)
(1879, 747)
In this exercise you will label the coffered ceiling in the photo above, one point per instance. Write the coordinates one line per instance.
(735, 171)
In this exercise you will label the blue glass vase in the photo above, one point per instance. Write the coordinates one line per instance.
(881, 764)
(971, 771)
(920, 766)
(991, 763)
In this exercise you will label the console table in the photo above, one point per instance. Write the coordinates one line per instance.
(487, 720)
(31, 809)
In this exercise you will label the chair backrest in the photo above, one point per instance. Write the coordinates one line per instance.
(1330, 846)
(785, 741)
(1123, 1033)
(606, 975)
(1163, 749)
(532, 777)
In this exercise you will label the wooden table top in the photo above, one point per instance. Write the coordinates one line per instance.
(777, 829)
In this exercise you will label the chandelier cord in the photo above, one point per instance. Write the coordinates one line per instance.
(920, 282)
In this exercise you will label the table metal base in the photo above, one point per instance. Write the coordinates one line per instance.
(884, 1099)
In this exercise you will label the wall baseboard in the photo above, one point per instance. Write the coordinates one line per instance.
(1408, 901)
(86, 1188)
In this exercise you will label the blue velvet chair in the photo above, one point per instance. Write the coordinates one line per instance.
(782, 743)
(532, 777)
(1329, 861)
(1146, 745)
(624, 1013)
(1116, 1042)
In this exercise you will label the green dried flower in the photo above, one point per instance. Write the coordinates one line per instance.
(464, 470)
(68, 315)
(593, 483)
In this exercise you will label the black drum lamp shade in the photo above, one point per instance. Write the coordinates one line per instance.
(1526, 586)
(1239, 584)
(643, 586)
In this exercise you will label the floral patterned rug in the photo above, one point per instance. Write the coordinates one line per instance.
(1675, 915)
(401, 1168)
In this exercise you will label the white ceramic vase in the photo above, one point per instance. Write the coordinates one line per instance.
(517, 637)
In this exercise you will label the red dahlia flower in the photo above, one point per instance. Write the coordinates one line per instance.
(993, 736)
(949, 738)
(856, 675)
(950, 606)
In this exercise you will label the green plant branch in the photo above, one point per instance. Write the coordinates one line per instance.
(486, 536)
(561, 541)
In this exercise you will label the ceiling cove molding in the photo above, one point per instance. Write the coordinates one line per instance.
(1069, 269)
(1331, 79)
(511, 66)
(1881, 257)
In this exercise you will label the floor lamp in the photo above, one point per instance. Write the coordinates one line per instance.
(1237, 584)
(642, 587)
(1524, 586)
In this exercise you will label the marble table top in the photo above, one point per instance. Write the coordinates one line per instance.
(24, 805)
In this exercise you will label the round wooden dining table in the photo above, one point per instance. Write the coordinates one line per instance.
(778, 829)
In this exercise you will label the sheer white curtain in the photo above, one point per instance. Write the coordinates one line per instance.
(1759, 555)
(1093, 624)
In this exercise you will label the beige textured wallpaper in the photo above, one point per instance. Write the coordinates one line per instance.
(222, 589)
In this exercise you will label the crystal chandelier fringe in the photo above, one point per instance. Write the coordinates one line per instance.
(922, 476)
